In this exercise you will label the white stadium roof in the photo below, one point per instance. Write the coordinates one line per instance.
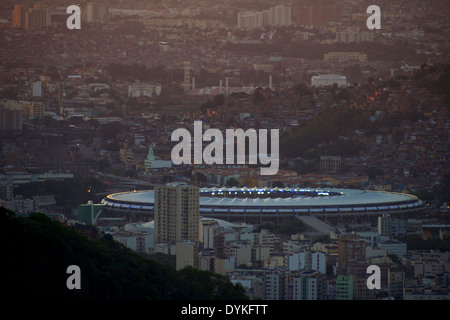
(259, 200)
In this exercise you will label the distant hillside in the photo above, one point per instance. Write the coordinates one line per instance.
(37, 250)
(324, 128)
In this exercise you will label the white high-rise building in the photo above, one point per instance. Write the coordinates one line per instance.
(307, 260)
(280, 16)
(249, 20)
(275, 16)
(299, 261)
(309, 286)
(272, 286)
(37, 89)
(318, 262)
(187, 76)
(384, 225)
(208, 236)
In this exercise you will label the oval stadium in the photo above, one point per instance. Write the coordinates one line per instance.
(253, 204)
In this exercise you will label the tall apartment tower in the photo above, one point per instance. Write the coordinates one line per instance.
(33, 18)
(187, 76)
(176, 213)
(37, 18)
(18, 15)
(10, 122)
(351, 250)
(384, 225)
(344, 287)
(97, 12)
(309, 285)
(280, 16)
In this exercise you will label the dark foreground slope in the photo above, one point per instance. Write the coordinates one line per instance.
(36, 252)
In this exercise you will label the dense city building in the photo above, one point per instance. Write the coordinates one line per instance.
(176, 214)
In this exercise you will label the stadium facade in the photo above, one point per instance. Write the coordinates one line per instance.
(262, 203)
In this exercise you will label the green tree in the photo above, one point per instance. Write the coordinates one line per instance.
(374, 172)
(277, 184)
(37, 251)
(111, 129)
(232, 182)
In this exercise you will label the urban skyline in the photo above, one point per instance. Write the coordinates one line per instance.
(360, 117)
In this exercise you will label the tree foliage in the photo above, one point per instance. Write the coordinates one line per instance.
(325, 128)
(37, 250)
(67, 192)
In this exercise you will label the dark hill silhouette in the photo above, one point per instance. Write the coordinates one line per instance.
(37, 250)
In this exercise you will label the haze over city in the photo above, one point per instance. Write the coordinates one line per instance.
(225, 150)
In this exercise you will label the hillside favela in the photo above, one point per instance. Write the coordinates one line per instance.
(225, 150)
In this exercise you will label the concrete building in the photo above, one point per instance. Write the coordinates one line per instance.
(373, 239)
(138, 242)
(351, 250)
(260, 254)
(252, 284)
(272, 286)
(346, 36)
(143, 89)
(37, 18)
(280, 16)
(344, 287)
(249, 20)
(187, 254)
(299, 261)
(328, 80)
(384, 225)
(360, 289)
(429, 264)
(187, 76)
(319, 262)
(307, 260)
(398, 227)
(37, 89)
(209, 232)
(18, 15)
(241, 252)
(316, 15)
(32, 18)
(11, 122)
(396, 279)
(176, 213)
(345, 57)
(394, 247)
(18, 205)
(6, 190)
(309, 286)
(425, 292)
(276, 16)
(18, 178)
(330, 164)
